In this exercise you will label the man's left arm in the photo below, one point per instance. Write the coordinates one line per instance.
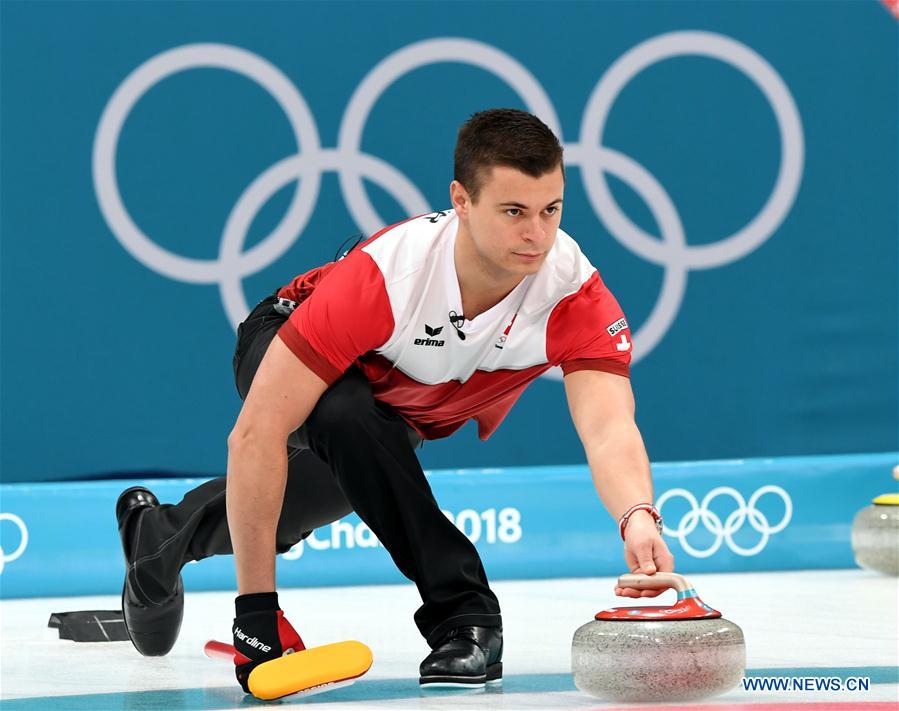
(602, 408)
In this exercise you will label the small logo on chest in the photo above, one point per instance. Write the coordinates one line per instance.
(430, 340)
(501, 342)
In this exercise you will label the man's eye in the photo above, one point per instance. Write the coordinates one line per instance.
(553, 209)
(513, 212)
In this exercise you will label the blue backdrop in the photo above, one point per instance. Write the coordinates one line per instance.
(789, 513)
(732, 172)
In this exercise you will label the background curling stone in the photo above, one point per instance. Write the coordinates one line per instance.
(678, 653)
(875, 535)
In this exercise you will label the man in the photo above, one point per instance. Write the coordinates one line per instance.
(434, 321)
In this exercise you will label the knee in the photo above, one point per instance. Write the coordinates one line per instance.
(344, 405)
(288, 536)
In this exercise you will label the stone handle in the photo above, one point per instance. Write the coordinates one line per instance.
(659, 581)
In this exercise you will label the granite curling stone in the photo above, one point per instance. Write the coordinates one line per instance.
(875, 535)
(644, 654)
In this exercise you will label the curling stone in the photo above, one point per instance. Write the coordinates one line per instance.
(875, 534)
(678, 653)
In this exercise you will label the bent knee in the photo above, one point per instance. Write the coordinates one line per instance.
(343, 404)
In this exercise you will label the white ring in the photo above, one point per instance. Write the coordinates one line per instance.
(270, 182)
(141, 80)
(23, 544)
(415, 56)
(784, 496)
(674, 284)
(763, 225)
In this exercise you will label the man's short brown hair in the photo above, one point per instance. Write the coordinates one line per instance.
(507, 137)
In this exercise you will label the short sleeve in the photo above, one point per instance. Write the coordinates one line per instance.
(347, 315)
(588, 331)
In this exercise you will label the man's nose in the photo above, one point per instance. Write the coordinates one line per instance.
(534, 230)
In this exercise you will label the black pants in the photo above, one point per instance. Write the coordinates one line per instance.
(353, 453)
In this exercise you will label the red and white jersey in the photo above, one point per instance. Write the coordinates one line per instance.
(386, 308)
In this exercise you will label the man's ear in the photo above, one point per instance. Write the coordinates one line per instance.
(459, 198)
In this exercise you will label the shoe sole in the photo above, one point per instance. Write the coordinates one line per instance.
(494, 677)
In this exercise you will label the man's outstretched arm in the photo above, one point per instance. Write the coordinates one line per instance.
(283, 393)
(602, 407)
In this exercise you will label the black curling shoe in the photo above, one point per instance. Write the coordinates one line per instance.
(153, 624)
(464, 657)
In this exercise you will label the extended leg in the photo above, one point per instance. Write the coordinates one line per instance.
(167, 537)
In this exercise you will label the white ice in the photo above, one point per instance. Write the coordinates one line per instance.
(798, 620)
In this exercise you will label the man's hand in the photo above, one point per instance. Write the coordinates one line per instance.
(261, 633)
(644, 552)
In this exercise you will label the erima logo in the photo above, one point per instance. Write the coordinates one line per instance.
(430, 341)
(619, 325)
(253, 642)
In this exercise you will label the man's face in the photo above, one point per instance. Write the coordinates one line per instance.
(513, 223)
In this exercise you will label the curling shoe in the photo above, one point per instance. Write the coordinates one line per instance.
(153, 623)
(464, 657)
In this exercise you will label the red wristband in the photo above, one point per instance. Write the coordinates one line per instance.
(653, 511)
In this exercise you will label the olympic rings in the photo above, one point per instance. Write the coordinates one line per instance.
(723, 532)
(307, 167)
